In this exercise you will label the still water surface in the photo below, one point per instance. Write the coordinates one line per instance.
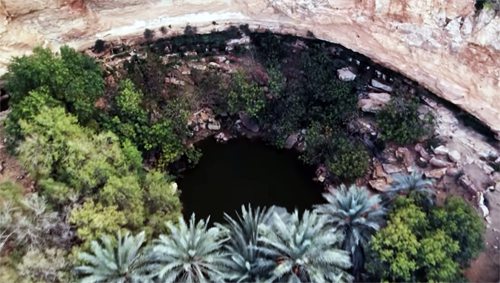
(243, 171)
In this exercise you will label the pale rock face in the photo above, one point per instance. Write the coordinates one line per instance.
(440, 44)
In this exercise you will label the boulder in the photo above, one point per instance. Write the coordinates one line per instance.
(454, 155)
(424, 154)
(222, 137)
(439, 163)
(436, 173)
(249, 122)
(441, 150)
(291, 140)
(452, 172)
(481, 205)
(391, 169)
(379, 185)
(375, 102)
(214, 125)
(381, 86)
(345, 74)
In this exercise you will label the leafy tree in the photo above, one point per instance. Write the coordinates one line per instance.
(161, 201)
(93, 221)
(131, 119)
(110, 264)
(189, 253)
(357, 215)
(245, 96)
(71, 163)
(344, 158)
(410, 249)
(129, 101)
(248, 263)
(305, 251)
(462, 223)
(399, 121)
(69, 78)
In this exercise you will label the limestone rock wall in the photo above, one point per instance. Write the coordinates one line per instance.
(444, 45)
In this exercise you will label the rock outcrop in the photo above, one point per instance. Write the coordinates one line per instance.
(443, 45)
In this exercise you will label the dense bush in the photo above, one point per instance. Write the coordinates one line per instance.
(399, 121)
(419, 245)
(155, 123)
(304, 89)
(344, 158)
(245, 96)
(73, 165)
(70, 79)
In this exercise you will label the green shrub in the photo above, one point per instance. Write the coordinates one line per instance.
(70, 77)
(344, 158)
(399, 120)
(422, 245)
(72, 164)
(245, 96)
(351, 159)
(307, 92)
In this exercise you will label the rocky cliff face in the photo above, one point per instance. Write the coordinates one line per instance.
(444, 45)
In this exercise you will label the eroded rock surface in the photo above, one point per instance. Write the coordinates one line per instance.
(441, 44)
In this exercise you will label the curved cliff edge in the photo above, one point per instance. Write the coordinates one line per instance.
(443, 45)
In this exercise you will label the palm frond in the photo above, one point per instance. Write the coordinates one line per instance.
(191, 253)
(111, 264)
(304, 250)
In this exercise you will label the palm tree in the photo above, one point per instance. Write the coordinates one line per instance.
(413, 182)
(357, 215)
(114, 265)
(248, 263)
(304, 250)
(190, 253)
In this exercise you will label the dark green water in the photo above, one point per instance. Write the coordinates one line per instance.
(243, 171)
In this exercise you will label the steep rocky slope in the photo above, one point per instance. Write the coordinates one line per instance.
(443, 45)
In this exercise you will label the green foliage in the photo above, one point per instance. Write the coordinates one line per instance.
(114, 263)
(305, 251)
(351, 159)
(332, 100)
(356, 214)
(344, 158)
(307, 92)
(399, 120)
(414, 185)
(462, 223)
(420, 245)
(129, 101)
(71, 164)
(93, 221)
(70, 79)
(155, 124)
(190, 253)
(161, 200)
(493, 5)
(248, 263)
(245, 96)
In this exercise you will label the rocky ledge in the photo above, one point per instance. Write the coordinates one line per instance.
(445, 45)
